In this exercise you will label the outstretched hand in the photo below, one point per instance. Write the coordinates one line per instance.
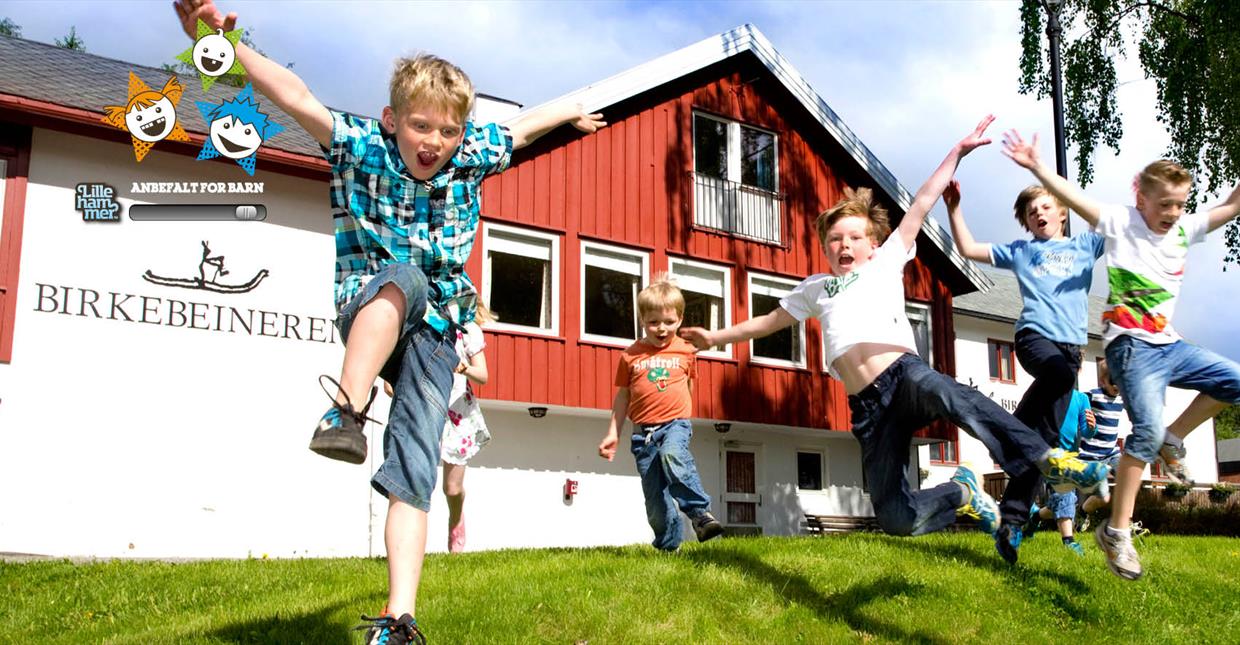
(588, 122)
(1024, 153)
(976, 138)
(190, 11)
(951, 195)
(698, 336)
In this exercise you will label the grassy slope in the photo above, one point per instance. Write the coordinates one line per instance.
(862, 587)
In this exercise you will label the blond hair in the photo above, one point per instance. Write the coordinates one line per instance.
(483, 313)
(431, 81)
(1163, 171)
(856, 203)
(661, 294)
(1028, 195)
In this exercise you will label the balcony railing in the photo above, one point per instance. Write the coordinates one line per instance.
(738, 209)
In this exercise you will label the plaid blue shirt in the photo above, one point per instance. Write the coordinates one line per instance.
(383, 215)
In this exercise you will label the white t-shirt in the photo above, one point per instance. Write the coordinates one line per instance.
(864, 306)
(1145, 271)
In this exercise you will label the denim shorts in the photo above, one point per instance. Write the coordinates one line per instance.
(1063, 504)
(1143, 371)
(420, 370)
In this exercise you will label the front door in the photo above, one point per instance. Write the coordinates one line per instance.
(741, 498)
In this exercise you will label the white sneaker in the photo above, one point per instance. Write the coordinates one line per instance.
(1121, 557)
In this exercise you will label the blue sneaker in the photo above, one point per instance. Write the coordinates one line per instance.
(1065, 472)
(1008, 538)
(1076, 548)
(979, 506)
(339, 433)
(388, 630)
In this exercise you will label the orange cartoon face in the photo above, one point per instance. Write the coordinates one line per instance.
(150, 116)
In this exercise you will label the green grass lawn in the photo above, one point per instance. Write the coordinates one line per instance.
(944, 588)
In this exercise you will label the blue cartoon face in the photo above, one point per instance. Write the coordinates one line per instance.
(234, 139)
(213, 54)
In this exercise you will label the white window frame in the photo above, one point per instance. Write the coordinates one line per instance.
(822, 467)
(642, 280)
(921, 311)
(489, 241)
(685, 280)
(788, 286)
(4, 174)
(734, 147)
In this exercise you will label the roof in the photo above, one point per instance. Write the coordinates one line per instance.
(747, 39)
(85, 81)
(1003, 302)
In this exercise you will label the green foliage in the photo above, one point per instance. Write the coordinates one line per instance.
(1190, 48)
(943, 588)
(10, 28)
(72, 41)
(1227, 424)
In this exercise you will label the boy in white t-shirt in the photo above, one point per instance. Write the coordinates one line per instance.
(892, 392)
(1146, 249)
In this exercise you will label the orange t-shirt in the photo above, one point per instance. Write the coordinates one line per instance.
(658, 380)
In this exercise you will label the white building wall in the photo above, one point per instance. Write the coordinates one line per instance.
(973, 367)
(125, 438)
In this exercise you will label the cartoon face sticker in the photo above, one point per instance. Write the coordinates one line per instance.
(214, 54)
(153, 122)
(234, 139)
(659, 376)
(237, 129)
(148, 116)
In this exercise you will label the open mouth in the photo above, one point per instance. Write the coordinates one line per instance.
(231, 147)
(210, 64)
(427, 159)
(154, 127)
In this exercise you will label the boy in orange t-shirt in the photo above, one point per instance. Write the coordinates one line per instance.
(654, 382)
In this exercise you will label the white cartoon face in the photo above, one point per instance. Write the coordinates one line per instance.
(151, 123)
(214, 54)
(234, 139)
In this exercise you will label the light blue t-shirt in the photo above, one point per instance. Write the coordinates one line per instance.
(1054, 277)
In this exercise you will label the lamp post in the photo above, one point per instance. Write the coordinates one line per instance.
(1053, 31)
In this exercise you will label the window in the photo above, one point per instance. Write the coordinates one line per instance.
(520, 274)
(611, 278)
(946, 452)
(736, 174)
(1002, 361)
(919, 319)
(785, 347)
(809, 470)
(708, 298)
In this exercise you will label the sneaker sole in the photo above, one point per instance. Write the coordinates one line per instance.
(338, 448)
(1102, 546)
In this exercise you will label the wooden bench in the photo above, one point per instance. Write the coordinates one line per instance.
(823, 524)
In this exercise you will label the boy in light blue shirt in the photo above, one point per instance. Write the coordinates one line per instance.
(1054, 272)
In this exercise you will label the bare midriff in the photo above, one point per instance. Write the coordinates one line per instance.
(863, 362)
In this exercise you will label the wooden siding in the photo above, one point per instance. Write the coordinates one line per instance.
(629, 184)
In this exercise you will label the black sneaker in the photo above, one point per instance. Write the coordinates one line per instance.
(1007, 541)
(1031, 525)
(707, 527)
(339, 433)
(387, 630)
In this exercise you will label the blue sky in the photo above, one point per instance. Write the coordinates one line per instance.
(909, 78)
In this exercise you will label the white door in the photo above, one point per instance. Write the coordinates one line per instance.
(741, 477)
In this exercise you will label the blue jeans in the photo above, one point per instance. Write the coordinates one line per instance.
(669, 479)
(1143, 371)
(904, 398)
(1063, 504)
(420, 370)
(1053, 366)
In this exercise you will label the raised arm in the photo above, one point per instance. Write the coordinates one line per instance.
(976, 251)
(274, 81)
(1223, 213)
(1025, 154)
(764, 325)
(525, 128)
(930, 191)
